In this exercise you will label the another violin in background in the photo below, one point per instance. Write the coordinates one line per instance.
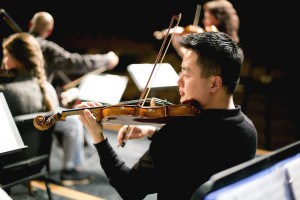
(193, 28)
(6, 76)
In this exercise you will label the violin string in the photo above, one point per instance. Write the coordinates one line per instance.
(157, 101)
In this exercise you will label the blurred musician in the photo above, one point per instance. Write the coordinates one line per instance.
(219, 15)
(57, 58)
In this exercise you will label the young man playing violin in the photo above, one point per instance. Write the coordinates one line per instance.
(186, 151)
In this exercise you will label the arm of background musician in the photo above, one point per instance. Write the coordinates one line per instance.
(58, 58)
(159, 35)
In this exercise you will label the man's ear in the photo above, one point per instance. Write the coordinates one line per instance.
(216, 83)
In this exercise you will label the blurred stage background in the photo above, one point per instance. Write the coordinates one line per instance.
(269, 36)
(267, 31)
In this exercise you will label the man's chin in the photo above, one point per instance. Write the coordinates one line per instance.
(184, 101)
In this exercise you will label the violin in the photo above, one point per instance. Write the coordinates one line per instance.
(181, 31)
(178, 31)
(131, 112)
(7, 75)
(125, 113)
(192, 29)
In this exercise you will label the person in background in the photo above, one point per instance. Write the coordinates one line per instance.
(219, 15)
(57, 58)
(30, 92)
(222, 15)
(210, 73)
(62, 62)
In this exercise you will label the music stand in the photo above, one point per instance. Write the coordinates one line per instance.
(10, 138)
(164, 75)
(104, 88)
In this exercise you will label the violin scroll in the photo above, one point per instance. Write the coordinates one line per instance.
(42, 124)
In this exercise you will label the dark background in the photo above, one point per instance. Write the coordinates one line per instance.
(267, 28)
(268, 34)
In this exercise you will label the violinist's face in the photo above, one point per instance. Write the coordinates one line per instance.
(193, 87)
(8, 61)
(209, 20)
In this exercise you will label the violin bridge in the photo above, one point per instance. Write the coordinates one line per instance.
(152, 102)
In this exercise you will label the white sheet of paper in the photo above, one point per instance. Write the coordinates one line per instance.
(4, 195)
(293, 170)
(103, 88)
(8, 141)
(266, 186)
(164, 75)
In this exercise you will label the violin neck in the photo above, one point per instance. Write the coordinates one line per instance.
(78, 111)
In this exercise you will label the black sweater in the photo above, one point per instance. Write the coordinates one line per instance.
(183, 154)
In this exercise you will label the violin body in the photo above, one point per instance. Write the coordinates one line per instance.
(191, 29)
(124, 114)
(181, 31)
(152, 115)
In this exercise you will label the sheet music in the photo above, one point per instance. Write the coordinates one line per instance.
(8, 140)
(293, 170)
(103, 88)
(4, 195)
(164, 75)
(266, 185)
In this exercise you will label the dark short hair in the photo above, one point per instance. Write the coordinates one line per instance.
(217, 54)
